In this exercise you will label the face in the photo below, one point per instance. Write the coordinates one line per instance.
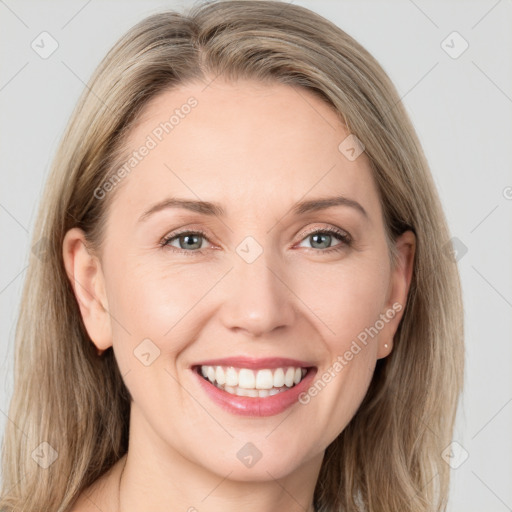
(285, 308)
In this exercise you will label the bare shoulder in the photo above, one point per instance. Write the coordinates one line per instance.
(101, 494)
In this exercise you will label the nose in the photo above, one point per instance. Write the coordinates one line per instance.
(260, 297)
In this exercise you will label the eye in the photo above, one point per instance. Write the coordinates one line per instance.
(320, 238)
(188, 241)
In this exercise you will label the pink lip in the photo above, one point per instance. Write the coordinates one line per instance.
(255, 364)
(249, 406)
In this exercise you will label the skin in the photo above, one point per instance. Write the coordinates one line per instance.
(257, 150)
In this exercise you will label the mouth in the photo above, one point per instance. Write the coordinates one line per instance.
(254, 387)
(254, 383)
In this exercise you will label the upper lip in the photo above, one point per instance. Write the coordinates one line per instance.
(255, 363)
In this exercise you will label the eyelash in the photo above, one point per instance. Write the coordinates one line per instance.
(345, 238)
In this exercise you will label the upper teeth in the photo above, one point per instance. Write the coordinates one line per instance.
(250, 379)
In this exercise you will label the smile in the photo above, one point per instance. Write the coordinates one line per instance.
(252, 383)
(249, 386)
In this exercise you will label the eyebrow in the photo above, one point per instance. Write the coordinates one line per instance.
(209, 208)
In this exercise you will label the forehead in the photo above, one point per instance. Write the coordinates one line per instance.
(245, 145)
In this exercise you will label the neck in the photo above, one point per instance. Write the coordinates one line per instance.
(154, 477)
(137, 490)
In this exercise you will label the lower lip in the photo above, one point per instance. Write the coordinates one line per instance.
(252, 406)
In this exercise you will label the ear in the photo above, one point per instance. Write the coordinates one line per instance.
(400, 281)
(86, 276)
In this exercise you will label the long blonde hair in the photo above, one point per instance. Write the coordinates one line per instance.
(388, 458)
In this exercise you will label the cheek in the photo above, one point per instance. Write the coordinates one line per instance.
(157, 302)
(350, 311)
(346, 298)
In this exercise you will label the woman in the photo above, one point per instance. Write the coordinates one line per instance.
(244, 298)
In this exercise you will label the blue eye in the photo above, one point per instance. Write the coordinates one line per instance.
(327, 235)
(190, 242)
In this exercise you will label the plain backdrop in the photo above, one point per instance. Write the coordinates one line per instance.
(459, 99)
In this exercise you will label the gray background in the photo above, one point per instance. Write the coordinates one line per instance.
(461, 108)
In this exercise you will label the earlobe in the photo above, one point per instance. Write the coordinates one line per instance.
(387, 349)
(398, 291)
(86, 277)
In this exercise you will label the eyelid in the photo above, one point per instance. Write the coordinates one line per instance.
(329, 229)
